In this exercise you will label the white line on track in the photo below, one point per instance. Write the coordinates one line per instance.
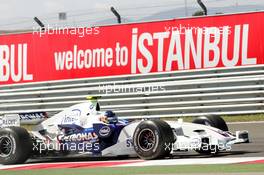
(195, 161)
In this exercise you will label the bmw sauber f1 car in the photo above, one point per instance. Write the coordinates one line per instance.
(84, 129)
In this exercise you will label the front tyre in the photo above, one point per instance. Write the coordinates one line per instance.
(212, 120)
(153, 139)
(15, 145)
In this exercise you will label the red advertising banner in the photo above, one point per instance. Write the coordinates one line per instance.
(171, 45)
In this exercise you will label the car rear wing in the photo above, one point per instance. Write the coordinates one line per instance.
(32, 118)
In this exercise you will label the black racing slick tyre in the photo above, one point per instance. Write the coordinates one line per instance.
(213, 120)
(153, 139)
(15, 145)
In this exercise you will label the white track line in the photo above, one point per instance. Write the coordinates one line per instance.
(195, 161)
(58, 163)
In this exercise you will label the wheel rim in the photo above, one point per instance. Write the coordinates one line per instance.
(5, 146)
(146, 139)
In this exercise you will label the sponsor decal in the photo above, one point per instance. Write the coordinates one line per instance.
(71, 117)
(91, 106)
(68, 119)
(33, 116)
(9, 120)
(78, 137)
(105, 131)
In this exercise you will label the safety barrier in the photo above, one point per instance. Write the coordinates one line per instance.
(236, 90)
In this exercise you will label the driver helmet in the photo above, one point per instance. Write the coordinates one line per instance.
(111, 117)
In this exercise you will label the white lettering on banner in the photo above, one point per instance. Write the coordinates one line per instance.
(206, 47)
(180, 56)
(160, 37)
(145, 52)
(189, 44)
(245, 59)
(13, 63)
(233, 61)
(211, 46)
(174, 43)
(79, 59)
(121, 55)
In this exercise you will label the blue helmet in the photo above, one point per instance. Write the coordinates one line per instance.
(111, 116)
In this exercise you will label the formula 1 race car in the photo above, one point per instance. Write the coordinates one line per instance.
(84, 129)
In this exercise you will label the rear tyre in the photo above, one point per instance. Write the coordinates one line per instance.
(15, 145)
(212, 120)
(153, 139)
